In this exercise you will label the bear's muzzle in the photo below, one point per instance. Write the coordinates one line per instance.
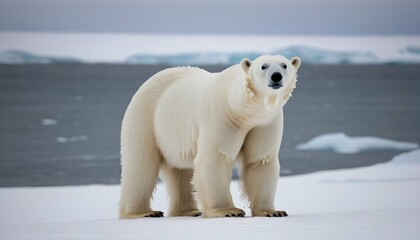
(276, 80)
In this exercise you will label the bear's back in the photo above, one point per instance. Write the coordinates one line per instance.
(178, 111)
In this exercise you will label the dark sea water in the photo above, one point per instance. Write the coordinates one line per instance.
(88, 102)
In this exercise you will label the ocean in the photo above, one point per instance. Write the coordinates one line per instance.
(60, 123)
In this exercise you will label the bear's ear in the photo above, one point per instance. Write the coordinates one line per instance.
(246, 64)
(295, 62)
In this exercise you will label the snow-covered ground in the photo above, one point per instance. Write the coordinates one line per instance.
(21, 47)
(376, 202)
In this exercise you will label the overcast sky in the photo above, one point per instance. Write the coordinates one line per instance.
(292, 17)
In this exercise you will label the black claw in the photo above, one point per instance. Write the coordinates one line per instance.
(240, 215)
(268, 215)
(283, 214)
(227, 215)
(233, 215)
(275, 215)
(197, 215)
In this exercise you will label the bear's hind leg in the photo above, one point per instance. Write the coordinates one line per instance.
(137, 185)
(140, 163)
(179, 187)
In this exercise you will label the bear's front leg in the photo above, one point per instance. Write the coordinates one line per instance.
(261, 168)
(260, 184)
(211, 181)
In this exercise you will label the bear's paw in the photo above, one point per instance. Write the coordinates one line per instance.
(268, 213)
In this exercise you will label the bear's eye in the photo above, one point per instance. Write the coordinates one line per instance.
(284, 66)
(264, 66)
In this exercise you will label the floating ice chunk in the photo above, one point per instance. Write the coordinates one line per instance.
(71, 139)
(341, 143)
(49, 122)
(408, 157)
(286, 171)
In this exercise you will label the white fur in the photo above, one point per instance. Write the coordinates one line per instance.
(192, 125)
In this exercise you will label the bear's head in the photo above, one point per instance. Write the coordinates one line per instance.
(270, 74)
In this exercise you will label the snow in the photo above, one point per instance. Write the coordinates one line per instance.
(391, 224)
(73, 139)
(118, 48)
(341, 143)
(376, 202)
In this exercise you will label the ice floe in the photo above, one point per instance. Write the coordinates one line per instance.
(341, 143)
(73, 139)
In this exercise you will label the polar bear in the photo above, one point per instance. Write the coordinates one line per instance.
(192, 126)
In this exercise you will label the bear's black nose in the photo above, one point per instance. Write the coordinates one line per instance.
(276, 77)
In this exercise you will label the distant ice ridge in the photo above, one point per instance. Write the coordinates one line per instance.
(43, 47)
(20, 57)
(412, 50)
(341, 143)
(307, 54)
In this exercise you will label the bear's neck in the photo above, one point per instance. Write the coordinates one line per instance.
(247, 108)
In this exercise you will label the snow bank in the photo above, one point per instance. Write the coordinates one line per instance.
(376, 202)
(341, 143)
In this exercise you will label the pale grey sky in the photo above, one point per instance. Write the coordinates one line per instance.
(292, 17)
